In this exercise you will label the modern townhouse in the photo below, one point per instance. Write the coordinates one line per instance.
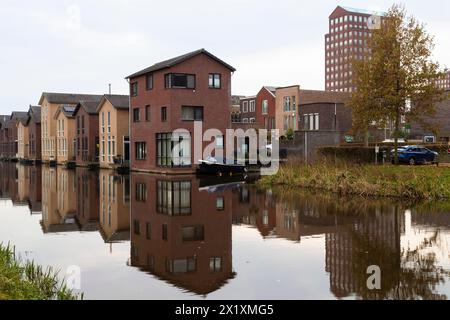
(87, 133)
(266, 106)
(3, 133)
(34, 134)
(22, 140)
(286, 108)
(114, 136)
(65, 136)
(194, 88)
(50, 103)
(248, 109)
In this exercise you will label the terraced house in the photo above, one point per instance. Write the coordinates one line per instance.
(174, 94)
(22, 139)
(50, 104)
(87, 133)
(114, 130)
(65, 135)
(34, 134)
(3, 133)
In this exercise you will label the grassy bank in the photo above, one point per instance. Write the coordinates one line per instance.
(27, 281)
(420, 182)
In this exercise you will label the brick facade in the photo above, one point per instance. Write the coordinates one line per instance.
(158, 110)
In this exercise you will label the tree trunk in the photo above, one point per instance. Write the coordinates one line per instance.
(396, 131)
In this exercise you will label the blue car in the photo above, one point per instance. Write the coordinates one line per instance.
(413, 155)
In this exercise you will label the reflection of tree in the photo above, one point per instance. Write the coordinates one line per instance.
(406, 275)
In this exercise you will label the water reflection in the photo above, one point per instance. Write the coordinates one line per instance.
(181, 230)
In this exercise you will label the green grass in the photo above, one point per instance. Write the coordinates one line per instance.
(24, 280)
(416, 183)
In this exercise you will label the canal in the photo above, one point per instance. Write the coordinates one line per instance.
(156, 237)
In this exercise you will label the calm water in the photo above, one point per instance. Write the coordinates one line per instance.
(155, 237)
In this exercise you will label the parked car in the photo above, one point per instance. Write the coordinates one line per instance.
(416, 155)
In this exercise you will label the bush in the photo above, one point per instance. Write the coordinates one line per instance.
(360, 154)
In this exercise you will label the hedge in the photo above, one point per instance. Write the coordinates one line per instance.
(361, 154)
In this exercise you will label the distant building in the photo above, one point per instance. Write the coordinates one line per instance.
(444, 83)
(286, 108)
(349, 30)
(266, 107)
(248, 109)
(22, 139)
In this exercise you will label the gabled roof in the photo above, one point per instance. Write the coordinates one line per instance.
(16, 115)
(67, 98)
(66, 109)
(177, 60)
(89, 106)
(271, 89)
(117, 101)
(318, 96)
(34, 114)
(3, 120)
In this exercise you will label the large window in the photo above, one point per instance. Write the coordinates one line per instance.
(192, 113)
(193, 233)
(163, 114)
(215, 81)
(252, 106)
(180, 81)
(148, 115)
(136, 115)
(173, 151)
(311, 122)
(174, 197)
(245, 107)
(265, 107)
(149, 82)
(287, 104)
(141, 150)
(134, 89)
(181, 265)
(141, 192)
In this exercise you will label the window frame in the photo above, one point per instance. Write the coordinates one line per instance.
(168, 79)
(213, 86)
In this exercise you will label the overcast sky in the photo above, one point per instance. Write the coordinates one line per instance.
(81, 46)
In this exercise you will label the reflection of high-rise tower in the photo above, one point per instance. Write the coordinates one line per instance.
(373, 239)
(114, 207)
(87, 199)
(180, 234)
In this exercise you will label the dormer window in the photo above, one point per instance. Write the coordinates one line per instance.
(180, 81)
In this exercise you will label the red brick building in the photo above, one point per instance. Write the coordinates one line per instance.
(34, 134)
(87, 133)
(3, 133)
(265, 107)
(349, 30)
(248, 109)
(9, 134)
(171, 95)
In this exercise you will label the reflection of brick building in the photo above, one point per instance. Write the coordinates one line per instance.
(87, 206)
(7, 179)
(114, 207)
(35, 189)
(58, 200)
(254, 208)
(180, 234)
